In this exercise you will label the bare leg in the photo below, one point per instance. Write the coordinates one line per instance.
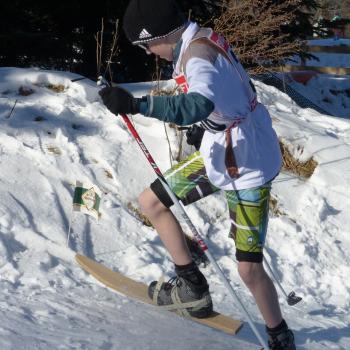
(263, 290)
(167, 226)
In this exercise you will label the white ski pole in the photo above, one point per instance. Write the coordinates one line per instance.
(291, 298)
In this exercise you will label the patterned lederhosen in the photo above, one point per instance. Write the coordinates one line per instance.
(248, 209)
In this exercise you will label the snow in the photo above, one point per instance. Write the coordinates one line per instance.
(54, 138)
(332, 93)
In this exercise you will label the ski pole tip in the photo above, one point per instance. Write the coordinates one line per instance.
(293, 299)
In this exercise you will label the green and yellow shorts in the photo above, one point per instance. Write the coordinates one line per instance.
(248, 209)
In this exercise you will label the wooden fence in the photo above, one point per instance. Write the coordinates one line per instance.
(345, 49)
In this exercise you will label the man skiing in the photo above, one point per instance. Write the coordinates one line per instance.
(237, 152)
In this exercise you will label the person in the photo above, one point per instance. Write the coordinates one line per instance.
(337, 27)
(237, 152)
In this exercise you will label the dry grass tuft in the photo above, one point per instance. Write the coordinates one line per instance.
(165, 92)
(56, 88)
(304, 169)
(274, 208)
(139, 215)
(54, 150)
(108, 174)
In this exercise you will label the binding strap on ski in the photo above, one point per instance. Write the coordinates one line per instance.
(178, 306)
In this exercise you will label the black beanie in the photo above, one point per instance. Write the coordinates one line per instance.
(147, 20)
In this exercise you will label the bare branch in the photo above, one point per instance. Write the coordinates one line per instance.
(253, 29)
(112, 52)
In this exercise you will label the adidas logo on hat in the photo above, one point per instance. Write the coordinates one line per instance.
(144, 34)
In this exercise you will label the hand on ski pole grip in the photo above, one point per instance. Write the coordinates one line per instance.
(194, 136)
(120, 101)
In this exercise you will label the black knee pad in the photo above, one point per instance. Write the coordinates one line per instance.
(253, 257)
(161, 193)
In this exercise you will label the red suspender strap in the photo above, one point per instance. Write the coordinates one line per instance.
(219, 41)
(222, 44)
(230, 159)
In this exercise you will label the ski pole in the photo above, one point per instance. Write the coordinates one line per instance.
(193, 229)
(291, 298)
(188, 221)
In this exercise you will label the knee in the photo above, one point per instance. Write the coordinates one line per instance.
(251, 273)
(149, 203)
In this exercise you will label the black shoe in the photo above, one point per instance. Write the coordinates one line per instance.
(187, 294)
(282, 341)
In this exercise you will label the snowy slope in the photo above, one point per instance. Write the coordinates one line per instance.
(329, 92)
(54, 138)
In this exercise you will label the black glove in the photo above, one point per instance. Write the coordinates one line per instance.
(194, 136)
(119, 101)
